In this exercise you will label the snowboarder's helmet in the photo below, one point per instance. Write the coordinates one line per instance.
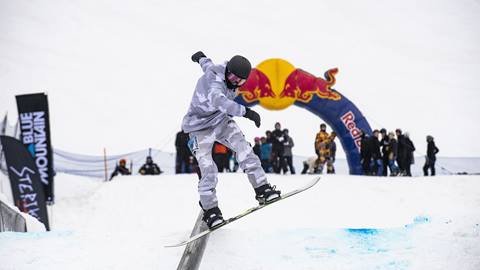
(239, 66)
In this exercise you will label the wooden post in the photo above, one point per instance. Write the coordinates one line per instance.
(105, 162)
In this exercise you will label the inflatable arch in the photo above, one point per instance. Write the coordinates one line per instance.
(276, 84)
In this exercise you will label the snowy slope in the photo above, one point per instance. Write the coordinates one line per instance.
(344, 222)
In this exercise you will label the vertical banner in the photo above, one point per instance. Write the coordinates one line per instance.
(28, 194)
(3, 127)
(34, 122)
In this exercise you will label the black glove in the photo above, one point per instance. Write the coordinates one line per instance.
(252, 115)
(197, 56)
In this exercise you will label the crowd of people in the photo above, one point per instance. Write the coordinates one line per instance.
(382, 152)
(275, 150)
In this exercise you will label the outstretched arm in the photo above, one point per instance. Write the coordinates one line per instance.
(203, 60)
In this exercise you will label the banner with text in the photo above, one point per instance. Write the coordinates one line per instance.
(28, 194)
(35, 135)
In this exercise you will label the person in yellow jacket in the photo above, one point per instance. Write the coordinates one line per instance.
(321, 141)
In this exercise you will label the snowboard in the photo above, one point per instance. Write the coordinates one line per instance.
(247, 212)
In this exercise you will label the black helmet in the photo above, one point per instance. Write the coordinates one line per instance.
(240, 66)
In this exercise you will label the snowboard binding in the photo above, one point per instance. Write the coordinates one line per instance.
(213, 217)
(266, 194)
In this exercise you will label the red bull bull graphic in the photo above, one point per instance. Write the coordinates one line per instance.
(276, 84)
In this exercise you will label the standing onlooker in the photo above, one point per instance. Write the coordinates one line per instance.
(321, 148)
(220, 157)
(266, 154)
(365, 153)
(385, 144)
(287, 147)
(409, 148)
(277, 149)
(430, 159)
(392, 154)
(401, 151)
(182, 160)
(376, 161)
(257, 148)
(332, 149)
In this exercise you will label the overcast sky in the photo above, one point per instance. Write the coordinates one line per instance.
(118, 73)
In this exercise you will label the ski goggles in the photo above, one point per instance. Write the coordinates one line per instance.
(235, 80)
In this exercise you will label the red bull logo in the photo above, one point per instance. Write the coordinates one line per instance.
(277, 84)
(348, 121)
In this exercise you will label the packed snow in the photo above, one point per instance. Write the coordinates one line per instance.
(344, 222)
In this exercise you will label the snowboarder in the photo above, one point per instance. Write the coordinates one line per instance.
(209, 119)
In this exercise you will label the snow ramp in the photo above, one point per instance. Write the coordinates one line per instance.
(344, 222)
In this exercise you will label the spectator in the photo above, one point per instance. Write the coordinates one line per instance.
(220, 157)
(320, 148)
(385, 144)
(193, 164)
(233, 157)
(182, 160)
(401, 151)
(332, 149)
(430, 159)
(150, 168)
(322, 135)
(392, 154)
(277, 149)
(269, 136)
(309, 165)
(287, 147)
(409, 148)
(266, 153)
(376, 160)
(365, 153)
(257, 148)
(120, 169)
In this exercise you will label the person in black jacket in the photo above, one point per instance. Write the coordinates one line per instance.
(277, 149)
(401, 154)
(385, 144)
(150, 168)
(376, 165)
(430, 159)
(365, 153)
(182, 160)
(408, 149)
(257, 148)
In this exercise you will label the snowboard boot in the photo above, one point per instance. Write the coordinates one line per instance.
(213, 217)
(266, 194)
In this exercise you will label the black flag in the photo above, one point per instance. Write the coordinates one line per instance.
(35, 135)
(25, 180)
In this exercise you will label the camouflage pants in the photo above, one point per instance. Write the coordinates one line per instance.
(229, 134)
